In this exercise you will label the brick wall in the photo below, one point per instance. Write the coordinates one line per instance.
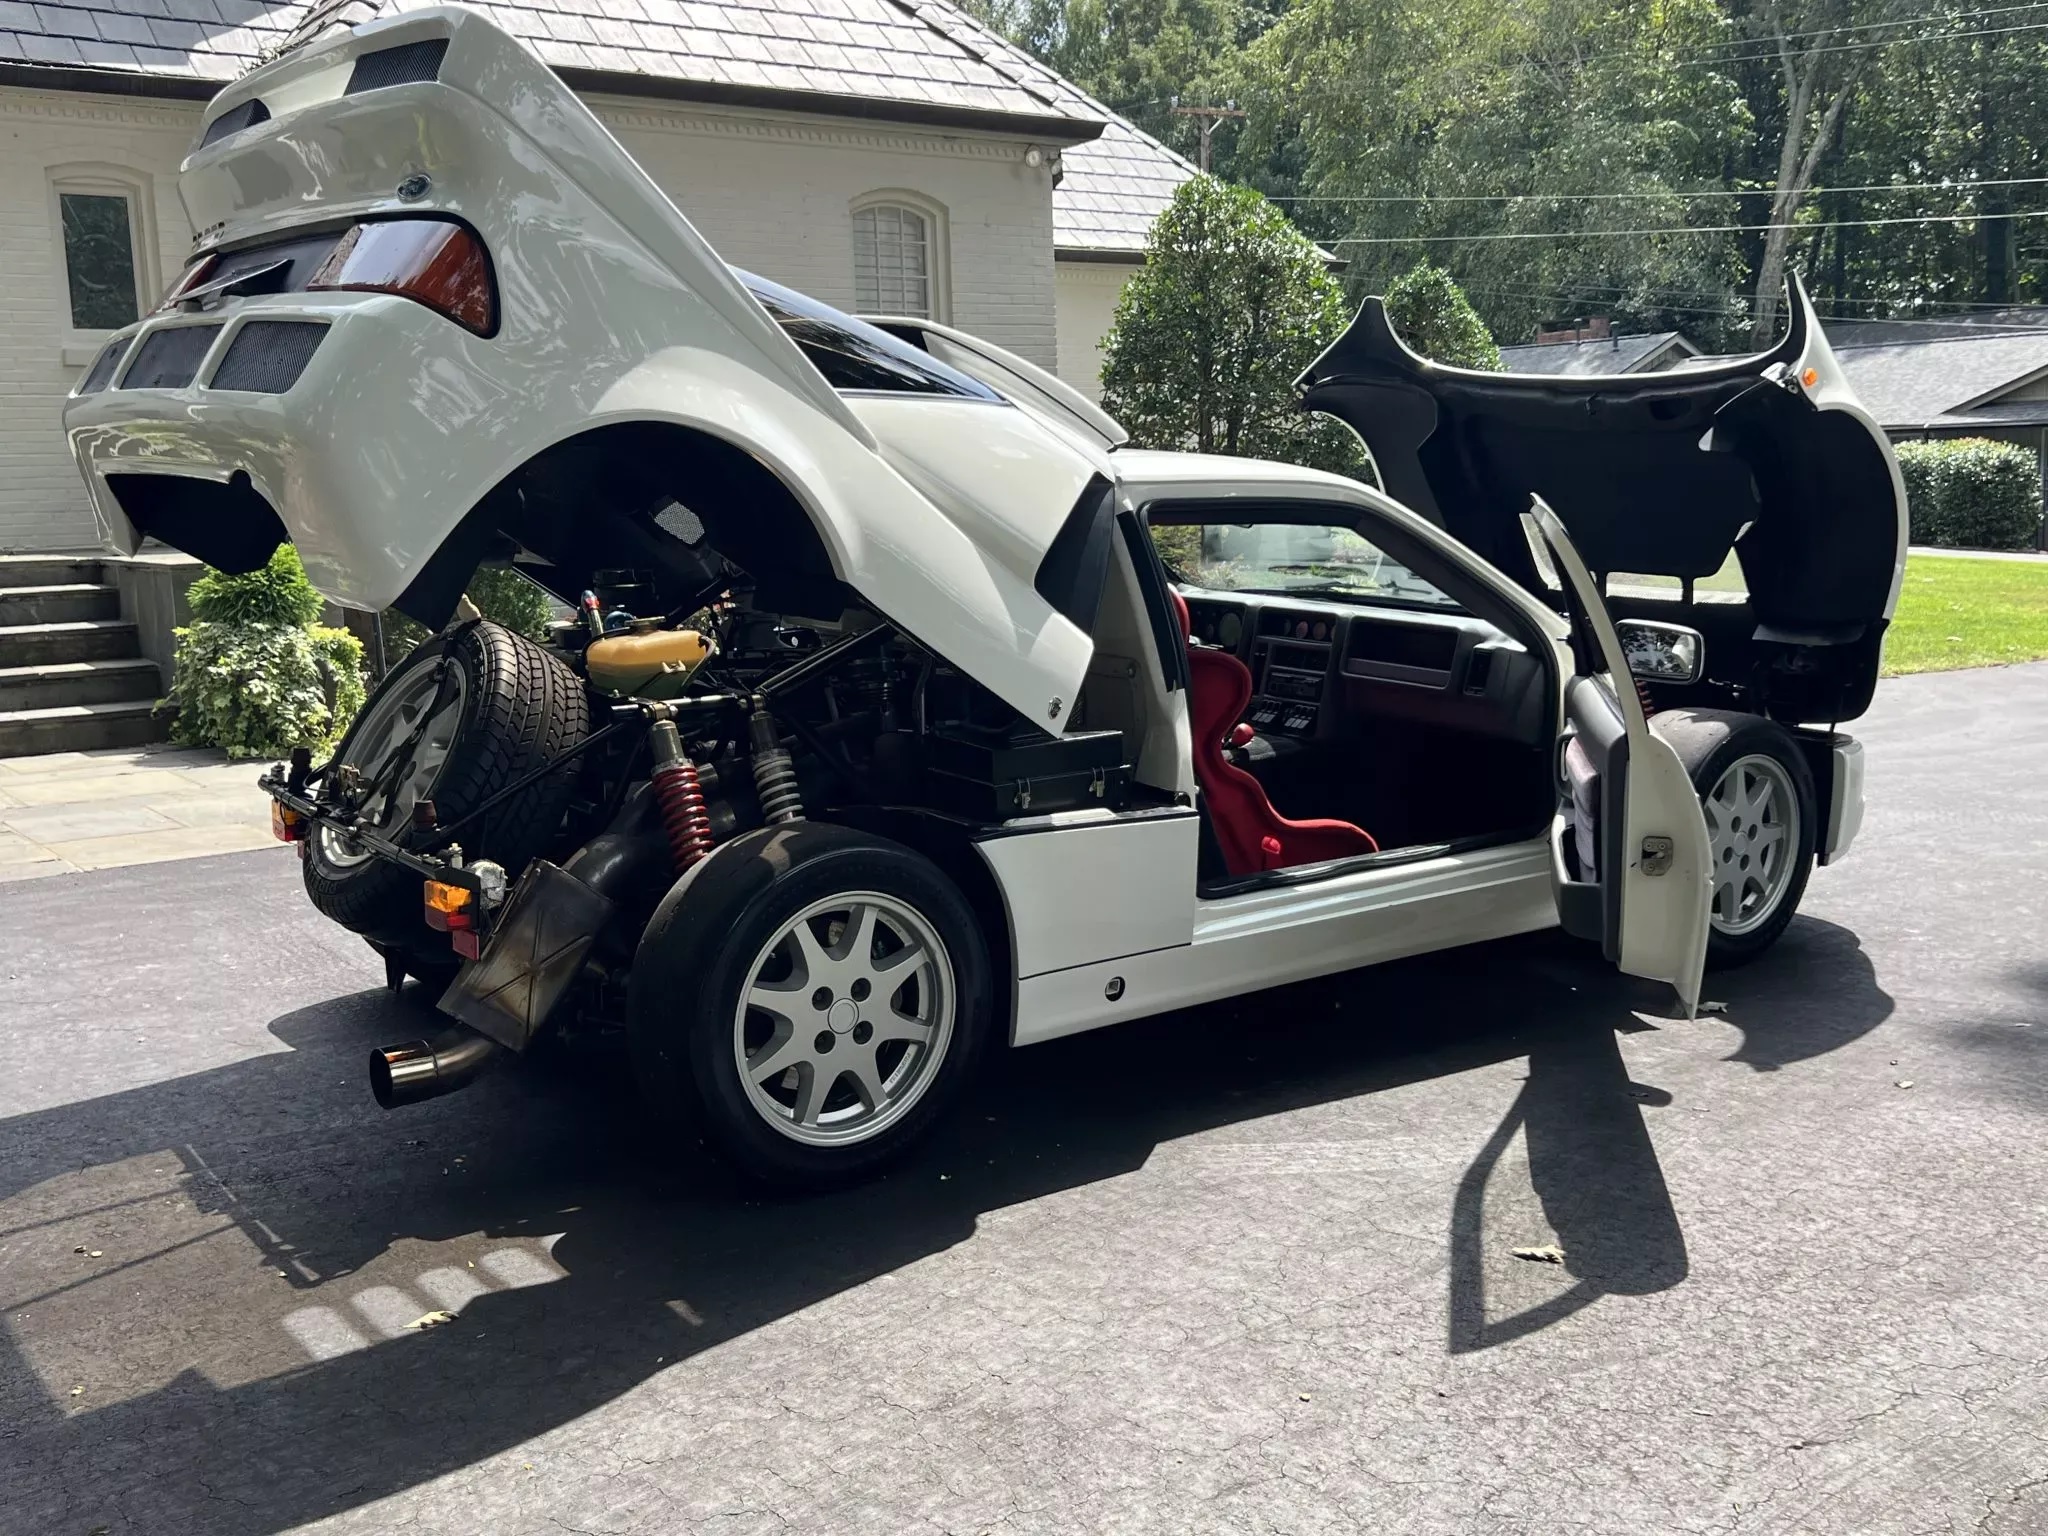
(774, 195)
(42, 504)
(1085, 301)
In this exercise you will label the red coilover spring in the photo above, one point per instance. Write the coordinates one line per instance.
(1643, 693)
(683, 813)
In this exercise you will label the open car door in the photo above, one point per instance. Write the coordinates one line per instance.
(1630, 861)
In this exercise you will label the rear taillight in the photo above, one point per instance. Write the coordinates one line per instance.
(187, 280)
(432, 261)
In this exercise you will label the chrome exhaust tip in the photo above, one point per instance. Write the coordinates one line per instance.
(419, 1070)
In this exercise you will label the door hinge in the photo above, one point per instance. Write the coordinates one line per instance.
(1657, 855)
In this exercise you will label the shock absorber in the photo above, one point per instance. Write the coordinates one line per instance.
(774, 774)
(683, 814)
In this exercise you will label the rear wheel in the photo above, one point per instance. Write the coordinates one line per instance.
(470, 710)
(1757, 792)
(814, 999)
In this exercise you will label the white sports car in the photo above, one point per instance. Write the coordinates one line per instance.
(906, 713)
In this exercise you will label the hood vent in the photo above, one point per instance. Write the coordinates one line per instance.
(406, 64)
(234, 120)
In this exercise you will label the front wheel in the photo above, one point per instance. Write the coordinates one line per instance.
(1757, 791)
(816, 999)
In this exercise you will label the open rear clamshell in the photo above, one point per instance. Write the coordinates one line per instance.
(1661, 475)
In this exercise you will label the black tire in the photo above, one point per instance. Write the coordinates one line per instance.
(521, 708)
(695, 957)
(1708, 742)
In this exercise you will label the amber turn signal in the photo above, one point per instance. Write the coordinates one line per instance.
(431, 261)
(286, 826)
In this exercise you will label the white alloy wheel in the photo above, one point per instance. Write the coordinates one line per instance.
(845, 1018)
(1754, 833)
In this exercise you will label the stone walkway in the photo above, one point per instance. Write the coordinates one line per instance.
(66, 811)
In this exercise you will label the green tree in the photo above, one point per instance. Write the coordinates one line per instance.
(1231, 304)
(1431, 313)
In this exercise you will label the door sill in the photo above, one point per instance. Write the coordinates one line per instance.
(1386, 858)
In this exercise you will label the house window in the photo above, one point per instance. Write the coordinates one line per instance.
(99, 226)
(893, 261)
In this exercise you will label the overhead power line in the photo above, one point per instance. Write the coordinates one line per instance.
(1938, 18)
(1767, 46)
(1681, 194)
(1679, 229)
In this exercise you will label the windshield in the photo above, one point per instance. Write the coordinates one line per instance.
(1300, 559)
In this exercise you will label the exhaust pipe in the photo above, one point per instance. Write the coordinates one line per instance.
(420, 1070)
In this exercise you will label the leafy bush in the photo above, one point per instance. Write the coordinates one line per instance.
(254, 674)
(1972, 493)
(279, 593)
(1231, 304)
(1430, 312)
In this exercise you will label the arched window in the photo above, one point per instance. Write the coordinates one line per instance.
(100, 217)
(898, 260)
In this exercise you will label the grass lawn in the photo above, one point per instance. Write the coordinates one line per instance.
(1968, 613)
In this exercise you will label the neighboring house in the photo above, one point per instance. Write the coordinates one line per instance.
(1968, 378)
(1600, 354)
(883, 155)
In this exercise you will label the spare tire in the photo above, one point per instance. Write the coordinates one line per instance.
(469, 711)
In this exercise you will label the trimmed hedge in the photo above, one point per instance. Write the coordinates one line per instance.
(1972, 493)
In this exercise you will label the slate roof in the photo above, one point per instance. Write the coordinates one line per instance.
(1867, 333)
(1597, 355)
(1913, 384)
(914, 53)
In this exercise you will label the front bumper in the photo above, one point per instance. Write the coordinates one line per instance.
(1845, 798)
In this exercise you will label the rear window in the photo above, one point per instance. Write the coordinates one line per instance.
(855, 356)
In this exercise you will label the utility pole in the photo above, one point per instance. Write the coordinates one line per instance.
(1211, 119)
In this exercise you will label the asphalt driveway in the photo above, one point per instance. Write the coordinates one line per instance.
(1244, 1269)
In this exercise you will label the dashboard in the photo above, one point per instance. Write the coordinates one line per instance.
(1320, 669)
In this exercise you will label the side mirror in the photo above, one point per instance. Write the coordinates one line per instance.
(1663, 653)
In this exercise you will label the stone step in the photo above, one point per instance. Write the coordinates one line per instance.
(58, 603)
(43, 570)
(81, 728)
(57, 683)
(31, 645)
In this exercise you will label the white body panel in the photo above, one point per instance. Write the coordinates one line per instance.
(1098, 887)
(1845, 801)
(614, 310)
(1291, 933)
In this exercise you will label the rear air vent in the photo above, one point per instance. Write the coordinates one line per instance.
(103, 366)
(407, 64)
(267, 356)
(169, 357)
(234, 120)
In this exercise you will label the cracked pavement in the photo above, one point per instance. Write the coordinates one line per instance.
(1241, 1269)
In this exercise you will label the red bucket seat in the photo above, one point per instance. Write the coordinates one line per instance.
(1252, 835)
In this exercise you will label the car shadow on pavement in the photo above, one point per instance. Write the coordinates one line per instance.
(662, 1258)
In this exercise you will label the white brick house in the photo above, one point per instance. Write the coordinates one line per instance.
(879, 154)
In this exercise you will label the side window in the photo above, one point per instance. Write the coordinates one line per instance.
(899, 259)
(99, 229)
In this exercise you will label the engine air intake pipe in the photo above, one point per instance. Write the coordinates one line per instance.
(684, 816)
(420, 1070)
(774, 773)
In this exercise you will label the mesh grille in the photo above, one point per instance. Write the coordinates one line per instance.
(103, 366)
(247, 115)
(267, 356)
(169, 357)
(407, 64)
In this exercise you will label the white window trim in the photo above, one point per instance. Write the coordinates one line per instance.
(81, 345)
(940, 253)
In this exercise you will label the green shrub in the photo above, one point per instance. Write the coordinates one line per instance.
(255, 690)
(254, 674)
(279, 593)
(1972, 493)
